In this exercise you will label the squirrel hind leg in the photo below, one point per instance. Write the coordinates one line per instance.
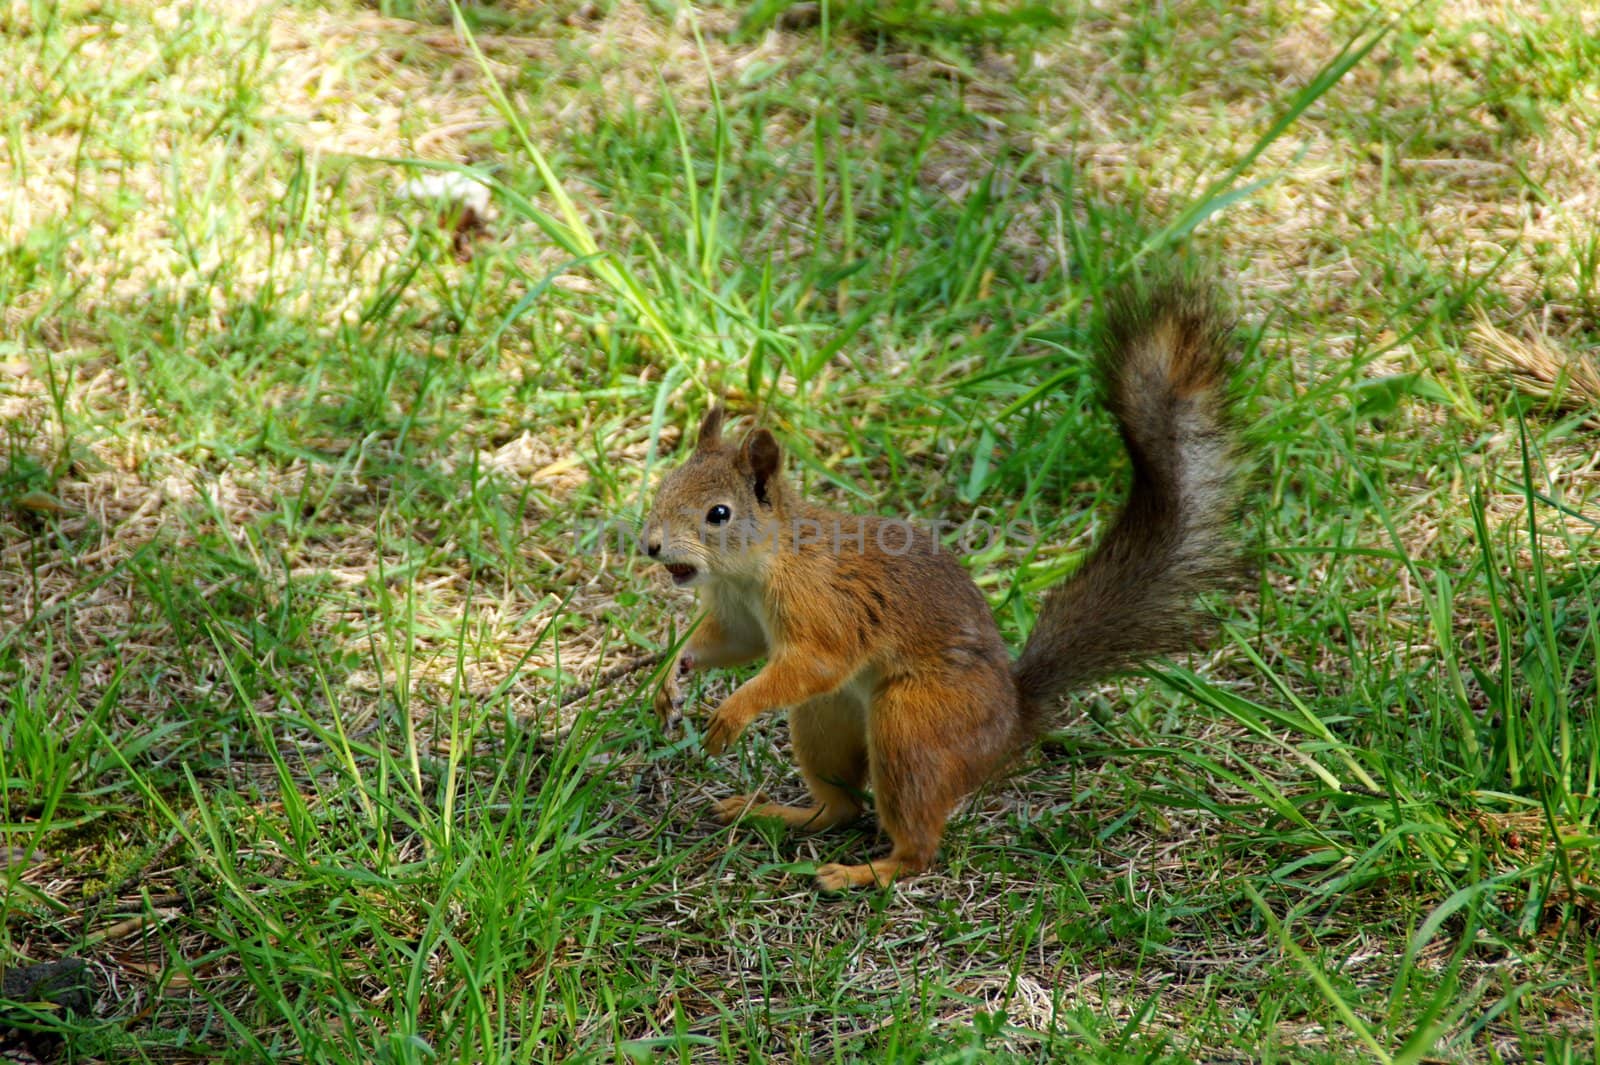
(915, 838)
(920, 770)
(830, 746)
(915, 828)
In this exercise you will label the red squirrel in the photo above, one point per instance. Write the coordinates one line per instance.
(878, 642)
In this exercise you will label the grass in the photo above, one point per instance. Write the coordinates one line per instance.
(306, 507)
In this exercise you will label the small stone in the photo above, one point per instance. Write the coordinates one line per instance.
(63, 983)
(10, 856)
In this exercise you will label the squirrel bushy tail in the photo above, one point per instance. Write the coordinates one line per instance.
(1164, 372)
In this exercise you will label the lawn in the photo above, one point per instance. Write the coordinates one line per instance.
(325, 674)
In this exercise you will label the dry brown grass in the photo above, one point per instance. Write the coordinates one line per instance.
(1569, 380)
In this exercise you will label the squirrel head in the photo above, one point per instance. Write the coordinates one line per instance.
(714, 515)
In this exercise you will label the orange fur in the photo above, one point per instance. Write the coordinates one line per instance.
(894, 674)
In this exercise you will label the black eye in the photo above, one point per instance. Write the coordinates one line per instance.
(718, 515)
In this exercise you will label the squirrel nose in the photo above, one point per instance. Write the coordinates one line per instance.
(653, 549)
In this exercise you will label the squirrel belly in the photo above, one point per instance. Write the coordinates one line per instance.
(880, 644)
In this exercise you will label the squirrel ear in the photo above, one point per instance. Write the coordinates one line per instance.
(710, 430)
(760, 454)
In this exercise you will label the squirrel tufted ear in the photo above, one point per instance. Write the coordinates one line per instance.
(710, 429)
(760, 453)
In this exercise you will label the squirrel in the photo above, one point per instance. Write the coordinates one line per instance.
(882, 648)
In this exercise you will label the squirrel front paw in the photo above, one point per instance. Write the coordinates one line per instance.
(722, 730)
(669, 700)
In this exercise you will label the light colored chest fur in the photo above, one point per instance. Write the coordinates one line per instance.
(738, 610)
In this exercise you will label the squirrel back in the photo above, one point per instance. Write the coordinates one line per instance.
(1163, 367)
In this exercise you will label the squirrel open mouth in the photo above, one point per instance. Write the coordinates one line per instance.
(682, 573)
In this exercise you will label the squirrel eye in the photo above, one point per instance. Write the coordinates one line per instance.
(718, 515)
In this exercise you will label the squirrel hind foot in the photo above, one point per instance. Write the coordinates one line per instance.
(815, 818)
(881, 873)
(737, 807)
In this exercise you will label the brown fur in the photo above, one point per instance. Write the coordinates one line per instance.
(895, 676)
